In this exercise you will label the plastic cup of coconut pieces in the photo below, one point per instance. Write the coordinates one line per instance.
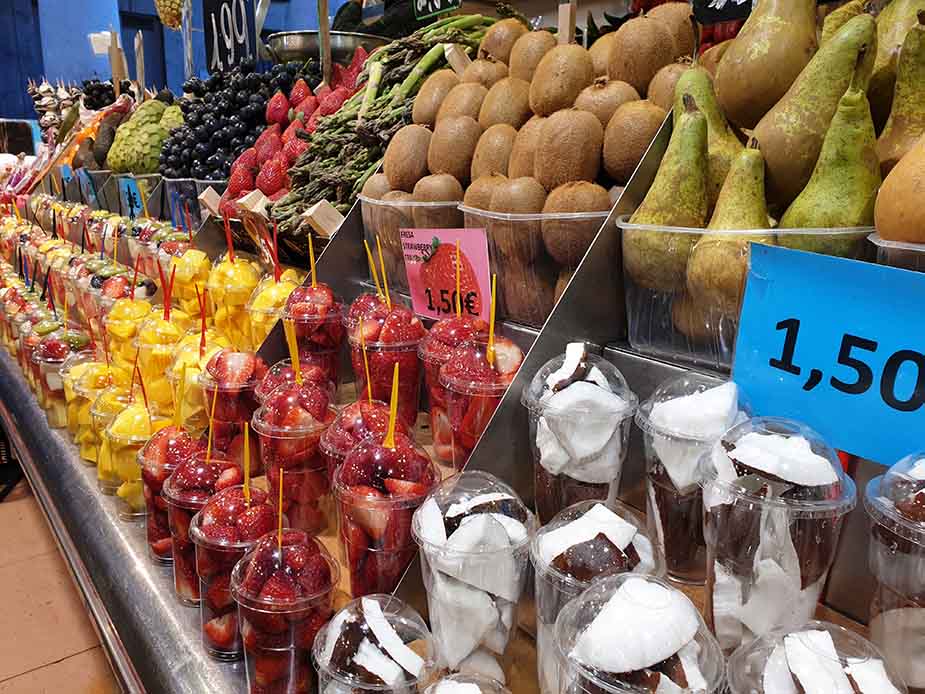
(467, 684)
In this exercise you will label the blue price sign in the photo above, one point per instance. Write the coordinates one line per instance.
(130, 197)
(86, 188)
(66, 174)
(843, 351)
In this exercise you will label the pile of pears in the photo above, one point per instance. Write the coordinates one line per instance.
(783, 143)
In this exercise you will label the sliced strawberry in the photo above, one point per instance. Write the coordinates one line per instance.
(508, 358)
(270, 667)
(220, 534)
(373, 518)
(163, 547)
(218, 594)
(401, 325)
(440, 426)
(256, 522)
(476, 418)
(231, 368)
(315, 576)
(307, 629)
(230, 477)
(279, 588)
(397, 487)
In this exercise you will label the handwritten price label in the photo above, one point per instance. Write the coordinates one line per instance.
(428, 8)
(229, 32)
(430, 261)
(846, 357)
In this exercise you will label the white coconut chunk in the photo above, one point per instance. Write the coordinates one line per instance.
(575, 353)
(53, 380)
(690, 663)
(790, 458)
(516, 531)
(368, 656)
(646, 554)
(584, 417)
(901, 633)
(598, 519)
(553, 457)
(680, 458)
(499, 635)
(704, 415)
(917, 471)
(602, 468)
(483, 663)
(449, 687)
(461, 616)
(814, 661)
(597, 377)
(667, 686)
(334, 628)
(870, 675)
(770, 597)
(431, 523)
(727, 603)
(461, 507)
(389, 639)
(641, 624)
(777, 678)
(475, 555)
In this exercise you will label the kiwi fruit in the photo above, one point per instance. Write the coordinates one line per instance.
(521, 161)
(627, 137)
(600, 53)
(465, 99)
(375, 187)
(484, 71)
(565, 276)
(437, 188)
(676, 16)
(393, 216)
(508, 101)
(642, 46)
(452, 147)
(559, 78)
(493, 151)
(568, 148)
(517, 241)
(431, 95)
(500, 39)
(405, 161)
(527, 291)
(567, 240)
(527, 53)
(603, 97)
(661, 88)
(478, 194)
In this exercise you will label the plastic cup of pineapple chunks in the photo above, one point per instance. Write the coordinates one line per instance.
(230, 287)
(266, 305)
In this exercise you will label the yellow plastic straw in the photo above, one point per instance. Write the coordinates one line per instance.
(372, 267)
(389, 441)
(54, 183)
(369, 387)
(385, 279)
(490, 352)
(279, 531)
(211, 423)
(311, 259)
(247, 464)
(181, 393)
(458, 297)
(19, 217)
(289, 329)
(115, 242)
(144, 199)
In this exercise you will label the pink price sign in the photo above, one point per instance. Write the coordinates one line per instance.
(430, 260)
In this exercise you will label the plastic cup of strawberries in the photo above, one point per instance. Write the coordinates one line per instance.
(159, 457)
(473, 389)
(282, 374)
(230, 380)
(354, 423)
(186, 491)
(434, 351)
(377, 490)
(289, 426)
(317, 315)
(285, 597)
(391, 336)
(226, 527)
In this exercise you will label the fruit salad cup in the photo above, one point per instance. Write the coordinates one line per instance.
(157, 345)
(107, 405)
(289, 426)
(191, 273)
(158, 458)
(266, 304)
(191, 357)
(390, 338)
(28, 343)
(473, 389)
(285, 597)
(121, 327)
(354, 423)
(434, 351)
(48, 358)
(74, 367)
(230, 287)
(129, 430)
(474, 536)
(375, 644)
(377, 490)
(186, 492)
(282, 374)
(318, 317)
(580, 409)
(226, 528)
(230, 380)
(582, 543)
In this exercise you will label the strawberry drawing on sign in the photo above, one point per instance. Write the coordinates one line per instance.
(438, 273)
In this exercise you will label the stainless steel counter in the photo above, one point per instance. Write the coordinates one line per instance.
(152, 641)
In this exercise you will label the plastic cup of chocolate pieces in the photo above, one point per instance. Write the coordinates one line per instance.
(375, 644)
(474, 537)
(774, 497)
(815, 658)
(467, 684)
(895, 502)
(680, 422)
(580, 410)
(582, 543)
(633, 633)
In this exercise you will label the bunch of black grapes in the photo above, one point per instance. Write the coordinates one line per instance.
(99, 95)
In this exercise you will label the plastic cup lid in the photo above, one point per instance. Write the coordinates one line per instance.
(896, 499)
(706, 418)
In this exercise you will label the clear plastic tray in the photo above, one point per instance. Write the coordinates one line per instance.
(681, 303)
(908, 256)
(180, 193)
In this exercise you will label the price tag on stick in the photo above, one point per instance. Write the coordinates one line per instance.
(838, 344)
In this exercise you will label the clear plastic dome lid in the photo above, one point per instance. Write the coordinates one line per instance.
(591, 539)
(896, 499)
(816, 657)
(691, 406)
(467, 684)
(782, 462)
(578, 382)
(473, 513)
(629, 629)
(469, 372)
(376, 643)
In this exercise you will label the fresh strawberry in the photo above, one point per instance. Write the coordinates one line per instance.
(401, 325)
(163, 547)
(218, 595)
(268, 149)
(279, 587)
(241, 179)
(278, 195)
(294, 149)
(297, 557)
(330, 103)
(307, 108)
(290, 132)
(228, 206)
(256, 522)
(315, 576)
(312, 124)
(475, 419)
(397, 487)
(300, 90)
(272, 176)
(438, 272)
(373, 518)
(323, 91)
(278, 109)
(338, 72)
(270, 667)
(222, 631)
(220, 534)
(231, 368)
(229, 477)
(267, 133)
(508, 358)
(359, 58)
(247, 160)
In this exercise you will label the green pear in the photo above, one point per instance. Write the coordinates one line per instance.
(893, 23)
(722, 143)
(719, 262)
(907, 118)
(791, 133)
(843, 188)
(837, 19)
(677, 198)
(774, 45)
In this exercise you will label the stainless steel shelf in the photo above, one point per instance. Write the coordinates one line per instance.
(152, 641)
